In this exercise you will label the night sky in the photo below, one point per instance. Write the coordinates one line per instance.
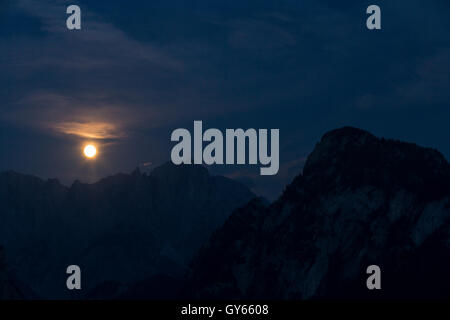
(140, 69)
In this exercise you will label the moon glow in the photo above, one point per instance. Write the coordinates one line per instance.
(90, 151)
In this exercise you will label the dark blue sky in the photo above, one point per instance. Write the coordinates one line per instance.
(140, 69)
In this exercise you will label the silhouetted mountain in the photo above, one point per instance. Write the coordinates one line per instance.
(124, 228)
(10, 287)
(360, 201)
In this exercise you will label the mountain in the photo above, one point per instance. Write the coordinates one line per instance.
(359, 201)
(10, 287)
(124, 228)
(7, 288)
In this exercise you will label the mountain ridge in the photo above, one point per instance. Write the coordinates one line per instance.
(360, 200)
(124, 227)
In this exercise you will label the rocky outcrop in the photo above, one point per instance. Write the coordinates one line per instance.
(360, 201)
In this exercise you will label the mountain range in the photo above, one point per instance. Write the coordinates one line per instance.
(124, 228)
(179, 232)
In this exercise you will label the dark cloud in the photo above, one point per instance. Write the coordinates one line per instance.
(137, 71)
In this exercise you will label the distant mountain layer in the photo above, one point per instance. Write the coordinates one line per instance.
(360, 201)
(124, 228)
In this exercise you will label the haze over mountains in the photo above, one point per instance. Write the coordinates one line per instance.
(360, 200)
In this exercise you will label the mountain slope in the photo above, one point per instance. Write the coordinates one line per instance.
(360, 200)
(124, 228)
(10, 287)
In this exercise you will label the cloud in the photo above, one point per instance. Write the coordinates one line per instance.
(260, 34)
(431, 82)
(94, 83)
(86, 47)
(83, 117)
(134, 73)
(426, 87)
(90, 130)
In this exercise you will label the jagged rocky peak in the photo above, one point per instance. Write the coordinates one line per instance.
(350, 146)
(171, 171)
(13, 179)
(125, 227)
(336, 144)
(361, 200)
(354, 157)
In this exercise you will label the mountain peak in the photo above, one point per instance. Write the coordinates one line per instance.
(169, 170)
(353, 157)
(136, 225)
(347, 132)
(361, 200)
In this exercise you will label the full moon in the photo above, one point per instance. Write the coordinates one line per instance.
(90, 151)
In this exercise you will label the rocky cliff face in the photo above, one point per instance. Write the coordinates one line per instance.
(360, 200)
(123, 228)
